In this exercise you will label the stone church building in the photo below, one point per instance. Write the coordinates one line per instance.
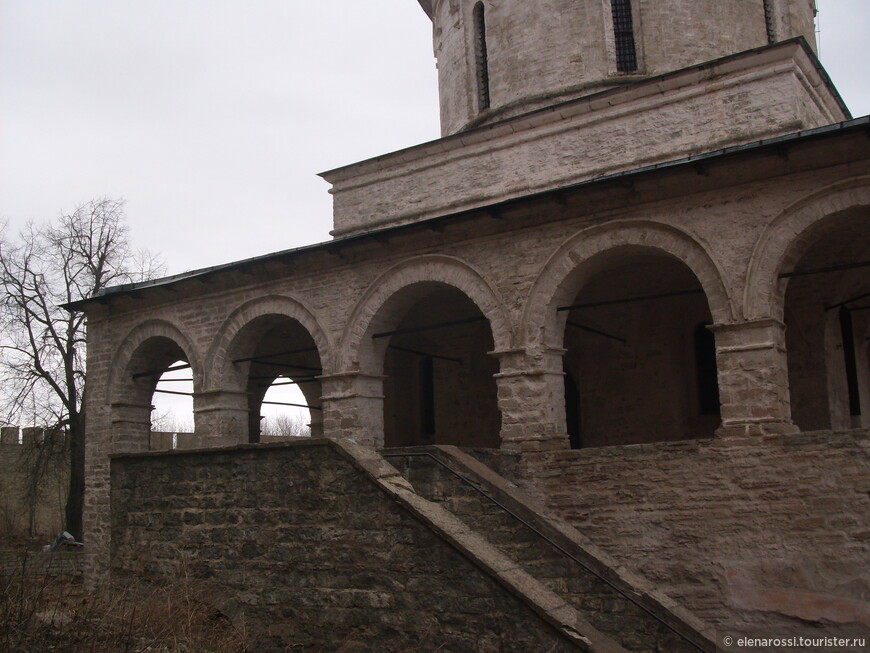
(589, 372)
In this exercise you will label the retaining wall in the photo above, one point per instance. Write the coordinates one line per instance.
(313, 551)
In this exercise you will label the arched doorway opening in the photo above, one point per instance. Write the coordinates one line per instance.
(154, 399)
(639, 360)
(439, 385)
(275, 361)
(827, 318)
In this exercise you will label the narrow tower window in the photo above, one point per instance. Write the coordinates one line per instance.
(768, 21)
(623, 31)
(481, 57)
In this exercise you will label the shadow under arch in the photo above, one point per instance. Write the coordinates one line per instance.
(147, 351)
(429, 325)
(446, 270)
(578, 258)
(821, 293)
(627, 307)
(269, 342)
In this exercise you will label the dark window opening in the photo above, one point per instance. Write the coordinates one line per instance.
(623, 31)
(427, 396)
(572, 411)
(768, 21)
(481, 56)
(705, 362)
(848, 333)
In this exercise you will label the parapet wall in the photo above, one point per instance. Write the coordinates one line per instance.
(31, 508)
(34, 509)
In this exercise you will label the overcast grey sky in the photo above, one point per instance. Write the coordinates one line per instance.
(212, 117)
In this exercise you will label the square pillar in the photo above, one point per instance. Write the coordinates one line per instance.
(753, 378)
(131, 427)
(353, 407)
(316, 423)
(531, 398)
(221, 418)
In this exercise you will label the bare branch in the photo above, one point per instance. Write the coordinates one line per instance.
(42, 362)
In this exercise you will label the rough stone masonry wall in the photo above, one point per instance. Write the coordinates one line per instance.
(313, 553)
(766, 537)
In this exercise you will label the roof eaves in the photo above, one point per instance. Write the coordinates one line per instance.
(429, 223)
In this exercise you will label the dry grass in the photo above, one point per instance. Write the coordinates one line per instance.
(56, 614)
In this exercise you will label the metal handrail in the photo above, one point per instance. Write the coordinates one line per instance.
(476, 486)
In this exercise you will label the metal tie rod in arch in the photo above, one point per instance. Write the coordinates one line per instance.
(284, 403)
(304, 377)
(428, 327)
(832, 268)
(423, 353)
(161, 371)
(299, 382)
(597, 332)
(289, 366)
(174, 392)
(271, 403)
(626, 300)
(261, 357)
(847, 301)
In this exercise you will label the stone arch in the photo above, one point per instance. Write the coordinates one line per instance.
(784, 241)
(582, 254)
(244, 315)
(136, 367)
(445, 270)
(132, 343)
(824, 232)
(261, 329)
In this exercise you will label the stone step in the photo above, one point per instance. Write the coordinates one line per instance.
(616, 603)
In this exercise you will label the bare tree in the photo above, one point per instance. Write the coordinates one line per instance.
(287, 425)
(42, 346)
(168, 422)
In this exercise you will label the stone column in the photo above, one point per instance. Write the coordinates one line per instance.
(353, 407)
(316, 423)
(753, 378)
(221, 418)
(131, 427)
(531, 398)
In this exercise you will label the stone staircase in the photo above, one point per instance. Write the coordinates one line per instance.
(619, 605)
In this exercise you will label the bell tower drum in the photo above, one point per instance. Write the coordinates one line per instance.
(501, 58)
